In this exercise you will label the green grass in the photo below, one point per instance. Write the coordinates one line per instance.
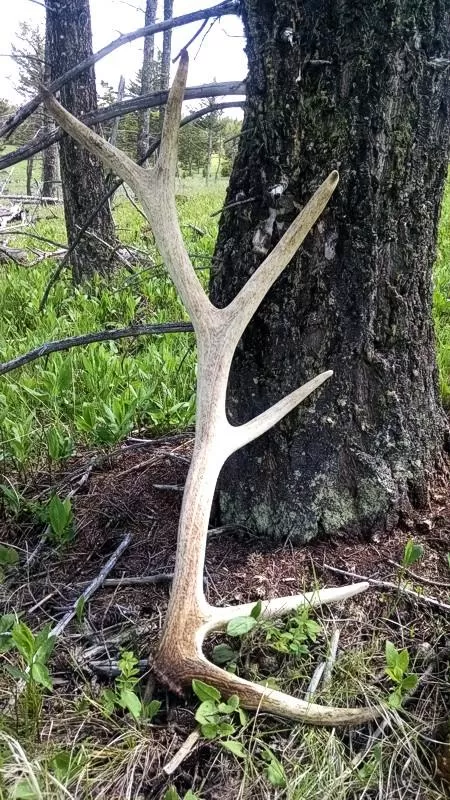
(98, 394)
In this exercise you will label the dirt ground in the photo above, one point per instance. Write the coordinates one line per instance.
(137, 489)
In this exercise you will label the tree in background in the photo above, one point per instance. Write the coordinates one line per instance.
(364, 88)
(147, 80)
(83, 179)
(166, 51)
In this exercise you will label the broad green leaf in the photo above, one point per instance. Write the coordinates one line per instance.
(204, 691)
(256, 610)
(412, 553)
(24, 640)
(190, 795)
(225, 729)
(235, 747)
(8, 556)
(223, 653)
(275, 773)
(151, 709)
(403, 661)
(410, 682)
(207, 713)
(395, 699)
(209, 730)
(131, 701)
(391, 654)
(40, 674)
(24, 791)
(17, 674)
(240, 626)
(171, 794)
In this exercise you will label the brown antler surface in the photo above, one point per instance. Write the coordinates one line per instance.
(189, 618)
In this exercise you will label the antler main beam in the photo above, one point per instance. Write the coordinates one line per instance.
(189, 618)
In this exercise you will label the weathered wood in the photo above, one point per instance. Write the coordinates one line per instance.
(363, 87)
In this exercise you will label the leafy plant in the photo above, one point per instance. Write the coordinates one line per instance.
(35, 650)
(397, 662)
(124, 696)
(172, 794)
(215, 717)
(60, 520)
(412, 553)
(274, 770)
(295, 636)
(8, 558)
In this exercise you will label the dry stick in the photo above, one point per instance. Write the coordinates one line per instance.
(93, 586)
(420, 598)
(230, 7)
(116, 185)
(121, 109)
(329, 663)
(185, 750)
(315, 680)
(419, 578)
(140, 580)
(90, 338)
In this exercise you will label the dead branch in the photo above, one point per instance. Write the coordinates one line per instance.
(397, 587)
(26, 198)
(419, 578)
(44, 139)
(93, 586)
(89, 338)
(181, 754)
(116, 185)
(223, 9)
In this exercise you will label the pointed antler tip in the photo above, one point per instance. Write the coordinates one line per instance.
(184, 58)
(334, 177)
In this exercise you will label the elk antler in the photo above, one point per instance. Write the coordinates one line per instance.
(179, 658)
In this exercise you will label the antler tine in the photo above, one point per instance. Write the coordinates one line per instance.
(168, 148)
(244, 305)
(243, 434)
(113, 158)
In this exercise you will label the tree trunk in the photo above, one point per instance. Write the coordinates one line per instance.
(50, 157)
(146, 81)
(83, 179)
(29, 187)
(166, 52)
(363, 88)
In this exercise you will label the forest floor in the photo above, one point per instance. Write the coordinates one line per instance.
(68, 743)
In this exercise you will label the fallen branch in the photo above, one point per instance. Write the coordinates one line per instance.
(27, 198)
(140, 580)
(184, 751)
(113, 188)
(93, 586)
(89, 338)
(330, 662)
(419, 578)
(229, 7)
(420, 598)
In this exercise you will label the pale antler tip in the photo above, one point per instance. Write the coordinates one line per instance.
(184, 58)
(334, 177)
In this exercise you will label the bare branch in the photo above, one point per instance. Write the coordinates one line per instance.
(43, 139)
(89, 338)
(228, 7)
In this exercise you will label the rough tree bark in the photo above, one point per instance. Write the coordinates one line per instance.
(83, 179)
(363, 87)
(166, 52)
(146, 81)
(50, 156)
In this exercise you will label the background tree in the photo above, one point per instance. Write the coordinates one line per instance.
(83, 179)
(363, 88)
(147, 80)
(166, 51)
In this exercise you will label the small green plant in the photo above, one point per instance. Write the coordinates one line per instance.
(448, 559)
(296, 634)
(412, 553)
(35, 650)
(274, 770)
(172, 794)
(60, 520)
(216, 718)
(397, 662)
(8, 558)
(124, 695)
